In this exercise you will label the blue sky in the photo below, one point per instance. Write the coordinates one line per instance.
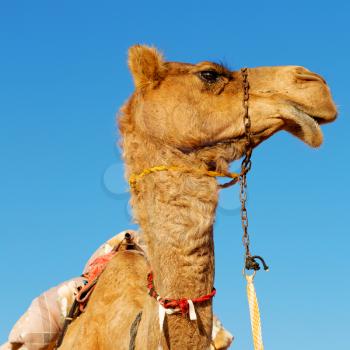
(64, 76)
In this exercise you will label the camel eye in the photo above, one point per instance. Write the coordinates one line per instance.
(209, 76)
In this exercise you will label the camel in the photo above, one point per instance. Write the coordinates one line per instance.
(189, 117)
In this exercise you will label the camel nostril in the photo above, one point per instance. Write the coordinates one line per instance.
(309, 76)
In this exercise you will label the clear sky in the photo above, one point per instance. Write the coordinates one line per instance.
(63, 76)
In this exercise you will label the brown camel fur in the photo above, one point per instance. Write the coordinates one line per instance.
(176, 116)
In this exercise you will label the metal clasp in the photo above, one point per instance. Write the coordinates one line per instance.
(252, 264)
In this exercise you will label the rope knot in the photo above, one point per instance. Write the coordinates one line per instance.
(183, 305)
(176, 304)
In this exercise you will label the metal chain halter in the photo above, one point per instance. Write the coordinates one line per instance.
(250, 262)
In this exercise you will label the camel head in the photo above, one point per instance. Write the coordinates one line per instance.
(189, 107)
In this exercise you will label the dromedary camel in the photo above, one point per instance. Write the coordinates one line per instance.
(188, 116)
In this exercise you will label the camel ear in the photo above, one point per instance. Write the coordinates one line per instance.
(146, 65)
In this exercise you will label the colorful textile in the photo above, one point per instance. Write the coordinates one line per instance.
(41, 323)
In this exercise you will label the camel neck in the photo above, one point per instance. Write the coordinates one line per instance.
(176, 212)
(178, 231)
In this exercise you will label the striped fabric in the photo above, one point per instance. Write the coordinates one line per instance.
(40, 324)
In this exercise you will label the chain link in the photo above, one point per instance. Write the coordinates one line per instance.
(250, 262)
(246, 164)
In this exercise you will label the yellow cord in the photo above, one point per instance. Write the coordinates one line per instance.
(254, 313)
(134, 178)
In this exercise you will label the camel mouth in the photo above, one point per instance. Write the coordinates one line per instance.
(304, 126)
(297, 122)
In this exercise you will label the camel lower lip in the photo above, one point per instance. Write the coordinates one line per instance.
(304, 126)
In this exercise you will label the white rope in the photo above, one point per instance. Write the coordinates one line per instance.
(254, 313)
